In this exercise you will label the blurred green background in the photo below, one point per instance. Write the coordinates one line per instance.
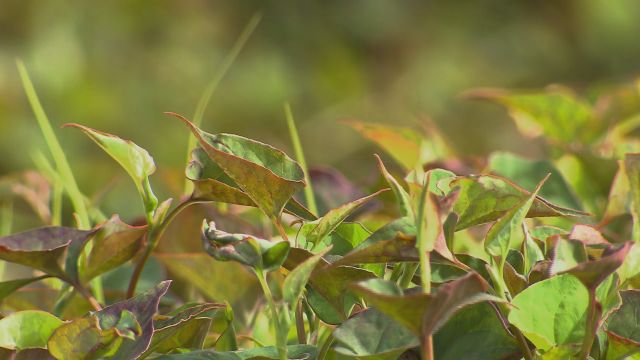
(118, 65)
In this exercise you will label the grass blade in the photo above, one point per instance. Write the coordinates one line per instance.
(213, 84)
(297, 148)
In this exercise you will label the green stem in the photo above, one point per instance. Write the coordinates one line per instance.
(280, 344)
(592, 325)
(211, 87)
(326, 346)
(297, 147)
(6, 223)
(409, 270)
(154, 233)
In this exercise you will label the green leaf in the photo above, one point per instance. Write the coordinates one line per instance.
(619, 199)
(186, 327)
(27, 329)
(501, 236)
(110, 330)
(114, 244)
(567, 254)
(330, 221)
(41, 248)
(135, 160)
(212, 184)
(267, 175)
(531, 252)
(297, 279)
(551, 312)
(525, 172)
(422, 313)
(329, 283)
(372, 335)
(474, 333)
(486, 198)
(397, 249)
(624, 323)
(556, 113)
(8, 287)
(261, 353)
(401, 195)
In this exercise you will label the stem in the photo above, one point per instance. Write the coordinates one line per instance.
(297, 147)
(153, 236)
(280, 229)
(426, 348)
(592, 325)
(322, 354)
(87, 295)
(522, 342)
(425, 272)
(302, 335)
(408, 273)
(280, 345)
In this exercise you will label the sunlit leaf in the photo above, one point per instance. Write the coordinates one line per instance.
(135, 160)
(551, 312)
(267, 175)
(632, 168)
(557, 114)
(212, 184)
(486, 198)
(593, 273)
(27, 329)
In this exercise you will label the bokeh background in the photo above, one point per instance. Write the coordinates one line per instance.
(118, 65)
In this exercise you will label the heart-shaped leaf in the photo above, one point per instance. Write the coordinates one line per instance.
(329, 283)
(135, 160)
(113, 245)
(41, 248)
(422, 313)
(267, 175)
(27, 329)
(486, 198)
(186, 327)
(212, 184)
(474, 333)
(335, 217)
(121, 331)
(551, 312)
(372, 335)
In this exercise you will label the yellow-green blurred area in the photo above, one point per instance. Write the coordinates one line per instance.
(118, 65)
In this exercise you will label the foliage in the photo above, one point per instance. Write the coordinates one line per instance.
(476, 265)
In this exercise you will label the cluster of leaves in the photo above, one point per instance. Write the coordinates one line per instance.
(518, 258)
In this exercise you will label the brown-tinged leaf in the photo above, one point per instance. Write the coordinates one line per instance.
(267, 175)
